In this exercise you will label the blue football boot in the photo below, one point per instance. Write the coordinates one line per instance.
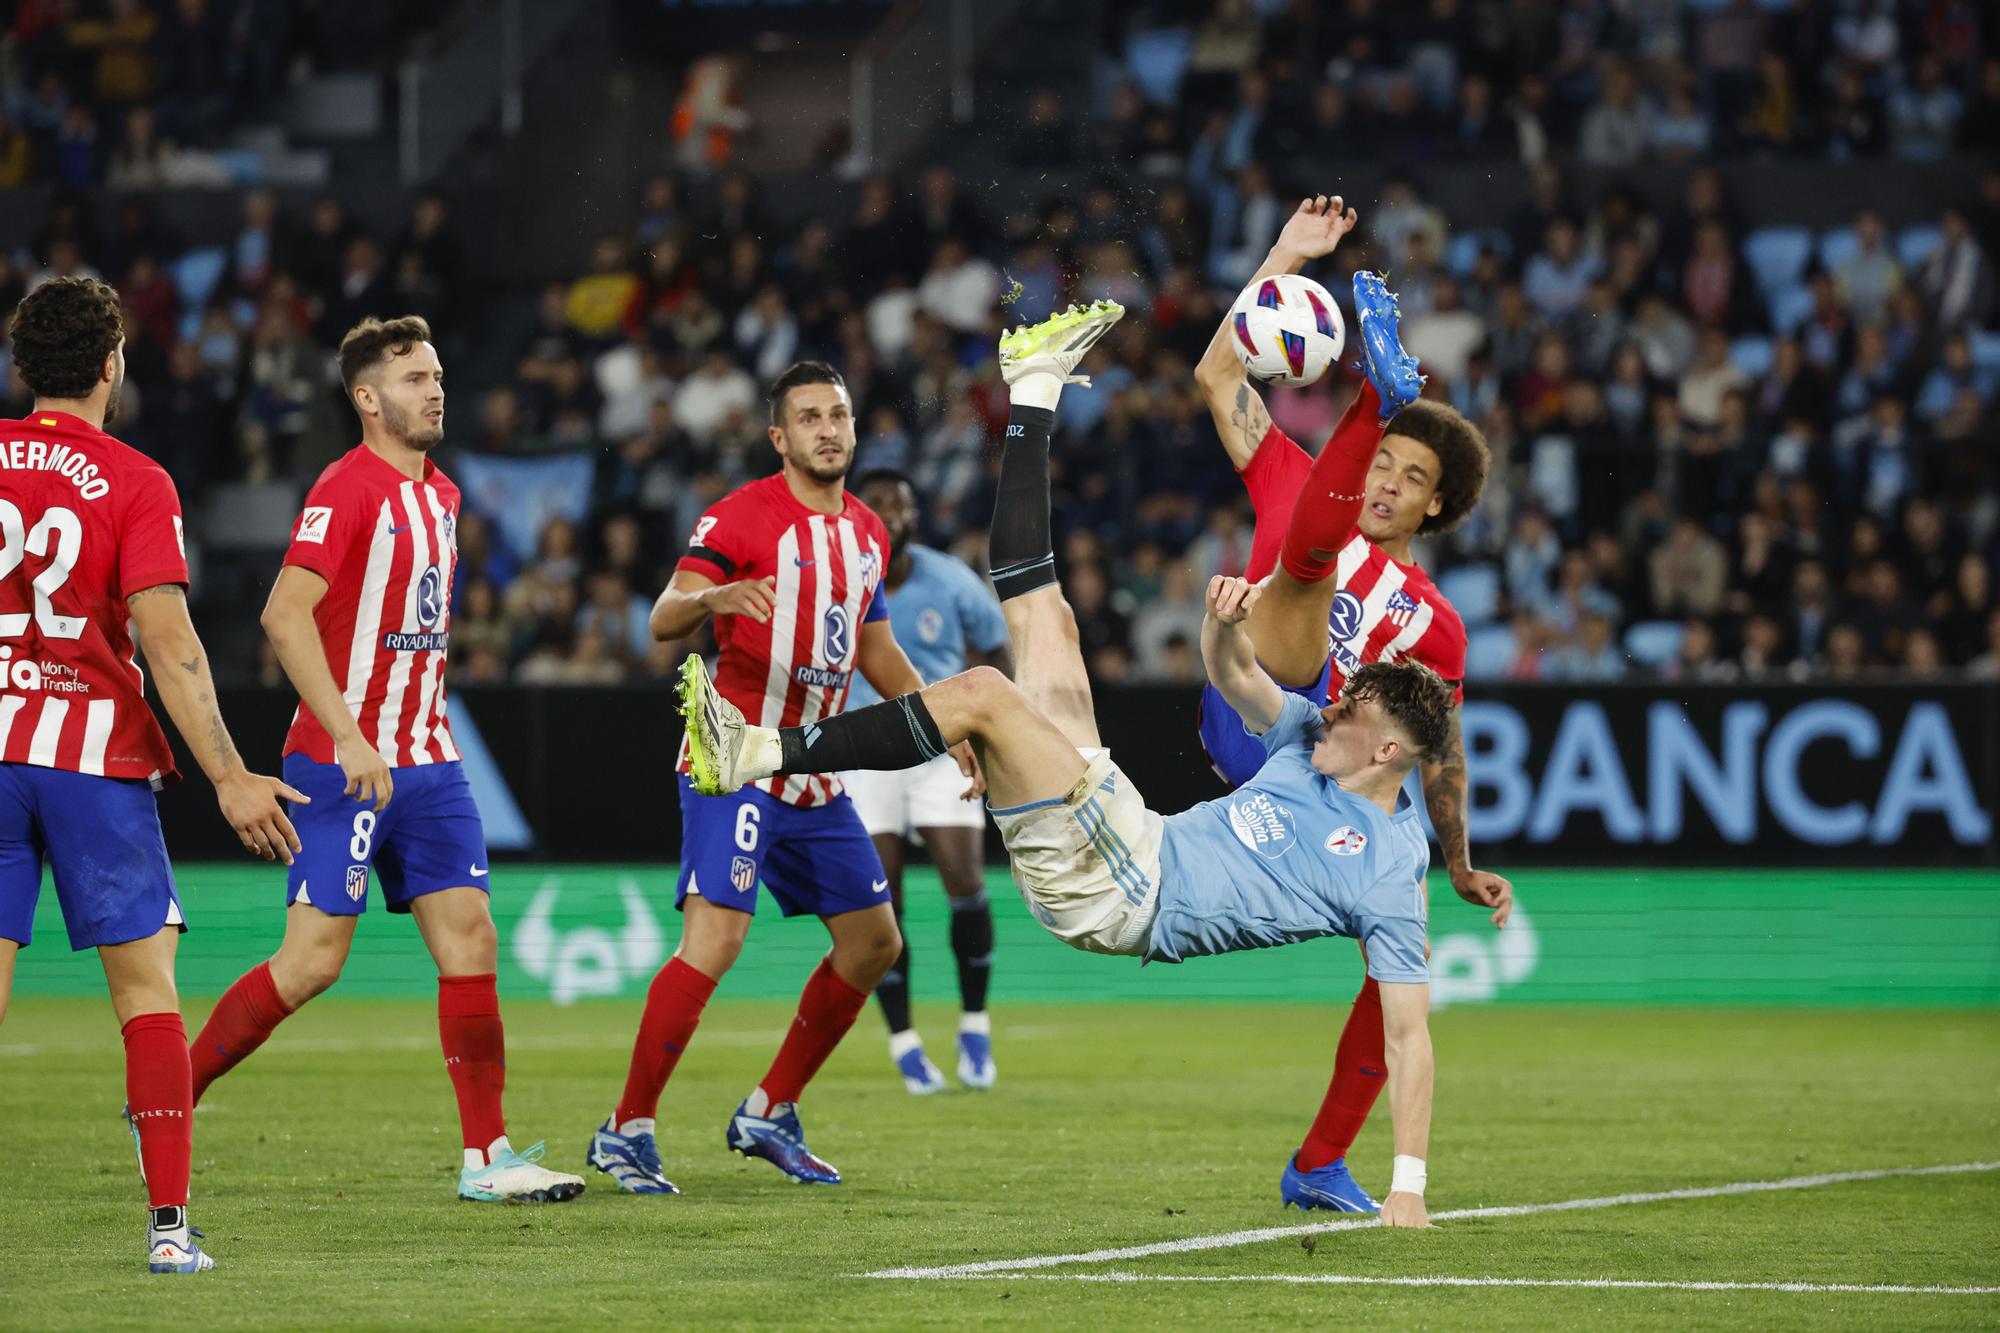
(1329, 1186)
(631, 1160)
(975, 1059)
(921, 1078)
(1391, 370)
(781, 1141)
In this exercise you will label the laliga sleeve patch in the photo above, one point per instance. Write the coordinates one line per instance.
(313, 524)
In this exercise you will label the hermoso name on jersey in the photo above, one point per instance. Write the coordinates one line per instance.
(92, 521)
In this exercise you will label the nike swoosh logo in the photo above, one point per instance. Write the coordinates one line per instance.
(394, 531)
(479, 870)
(880, 886)
(804, 564)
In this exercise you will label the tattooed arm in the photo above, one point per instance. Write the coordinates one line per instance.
(1238, 409)
(1445, 795)
(180, 673)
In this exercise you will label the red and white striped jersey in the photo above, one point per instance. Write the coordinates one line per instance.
(387, 547)
(85, 522)
(828, 567)
(1387, 610)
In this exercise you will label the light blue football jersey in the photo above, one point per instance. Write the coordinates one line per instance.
(939, 611)
(1291, 856)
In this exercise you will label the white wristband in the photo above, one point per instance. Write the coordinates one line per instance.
(1409, 1176)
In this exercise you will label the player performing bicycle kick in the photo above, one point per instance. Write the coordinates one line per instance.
(1321, 841)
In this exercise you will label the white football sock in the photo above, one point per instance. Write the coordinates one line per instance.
(1039, 388)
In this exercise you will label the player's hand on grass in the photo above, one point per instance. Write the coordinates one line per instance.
(755, 598)
(1405, 1210)
(1483, 888)
(249, 802)
(1230, 600)
(968, 764)
(1316, 228)
(368, 779)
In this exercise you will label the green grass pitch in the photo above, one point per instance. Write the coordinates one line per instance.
(325, 1168)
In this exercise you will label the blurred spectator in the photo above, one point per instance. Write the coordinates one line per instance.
(712, 395)
(1689, 572)
(1958, 276)
(1616, 130)
(1924, 117)
(1871, 275)
(596, 302)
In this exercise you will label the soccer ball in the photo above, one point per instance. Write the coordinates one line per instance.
(1286, 330)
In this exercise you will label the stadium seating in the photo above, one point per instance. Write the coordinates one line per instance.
(1790, 308)
(1918, 243)
(1837, 246)
(1778, 257)
(1474, 590)
(1489, 651)
(1462, 251)
(1654, 643)
(1752, 356)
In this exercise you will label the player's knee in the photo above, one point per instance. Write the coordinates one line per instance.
(311, 973)
(480, 939)
(877, 951)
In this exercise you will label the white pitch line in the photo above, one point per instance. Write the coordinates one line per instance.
(1595, 1284)
(1229, 1239)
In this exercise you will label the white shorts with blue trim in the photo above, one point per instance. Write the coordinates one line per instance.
(1088, 864)
(900, 801)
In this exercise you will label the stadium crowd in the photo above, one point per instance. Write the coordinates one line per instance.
(1725, 446)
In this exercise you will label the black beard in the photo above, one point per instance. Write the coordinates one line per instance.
(832, 472)
(404, 429)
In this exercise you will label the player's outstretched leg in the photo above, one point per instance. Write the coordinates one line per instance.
(1292, 616)
(1037, 361)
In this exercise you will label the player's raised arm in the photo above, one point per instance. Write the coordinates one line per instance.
(1231, 658)
(294, 634)
(691, 598)
(249, 800)
(1407, 1033)
(1311, 233)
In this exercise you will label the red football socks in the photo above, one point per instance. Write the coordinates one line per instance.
(673, 1007)
(246, 1014)
(1275, 478)
(1360, 1069)
(159, 1094)
(1323, 519)
(475, 1055)
(827, 1009)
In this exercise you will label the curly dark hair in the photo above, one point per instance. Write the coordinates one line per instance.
(374, 341)
(62, 332)
(1415, 697)
(1462, 455)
